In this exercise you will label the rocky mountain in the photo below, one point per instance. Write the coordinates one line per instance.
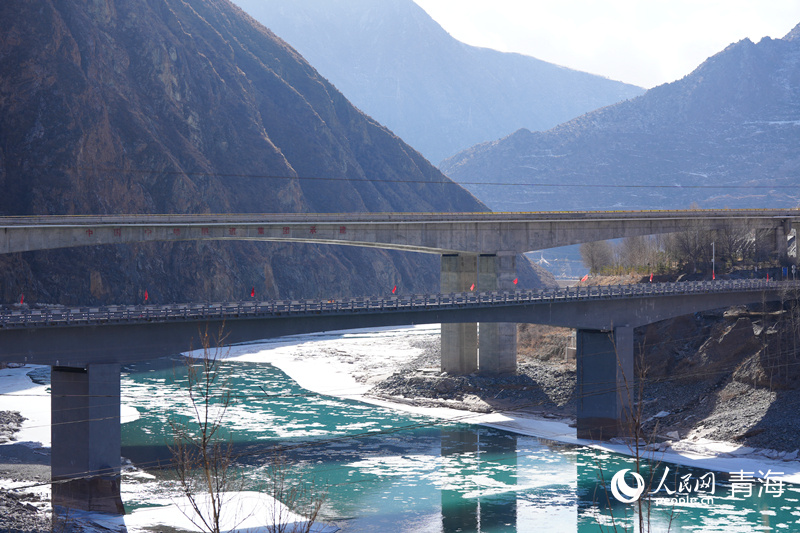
(440, 95)
(164, 106)
(726, 135)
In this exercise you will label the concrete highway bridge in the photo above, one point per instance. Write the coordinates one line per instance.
(477, 249)
(85, 346)
(437, 233)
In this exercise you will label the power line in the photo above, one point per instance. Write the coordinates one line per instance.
(724, 186)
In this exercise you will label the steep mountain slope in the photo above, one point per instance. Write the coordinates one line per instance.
(164, 106)
(727, 135)
(441, 96)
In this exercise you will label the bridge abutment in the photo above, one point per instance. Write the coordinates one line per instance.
(498, 340)
(459, 341)
(605, 387)
(86, 438)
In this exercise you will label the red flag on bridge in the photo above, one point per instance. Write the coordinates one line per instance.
(146, 296)
(21, 298)
(472, 287)
(253, 292)
(713, 275)
(584, 278)
(767, 276)
(516, 280)
(394, 289)
(651, 277)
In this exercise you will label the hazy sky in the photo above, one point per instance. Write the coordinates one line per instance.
(644, 42)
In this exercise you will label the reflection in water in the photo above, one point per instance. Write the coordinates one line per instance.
(459, 513)
(489, 457)
(390, 471)
(498, 509)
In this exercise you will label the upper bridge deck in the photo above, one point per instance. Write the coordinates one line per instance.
(440, 233)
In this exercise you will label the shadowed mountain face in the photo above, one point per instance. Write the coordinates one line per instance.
(440, 95)
(165, 106)
(727, 135)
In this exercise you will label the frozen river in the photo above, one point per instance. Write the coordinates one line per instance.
(393, 468)
(387, 470)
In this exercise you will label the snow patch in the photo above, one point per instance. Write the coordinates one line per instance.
(243, 512)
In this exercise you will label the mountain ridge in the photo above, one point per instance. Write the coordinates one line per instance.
(725, 135)
(161, 106)
(440, 95)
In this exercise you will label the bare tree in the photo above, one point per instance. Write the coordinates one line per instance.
(205, 463)
(297, 499)
(691, 247)
(764, 245)
(734, 242)
(637, 441)
(641, 252)
(597, 255)
(203, 459)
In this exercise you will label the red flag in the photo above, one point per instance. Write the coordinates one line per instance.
(472, 287)
(767, 276)
(253, 292)
(516, 280)
(713, 275)
(651, 277)
(584, 278)
(394, 289)
(145, 295)
(21, 298)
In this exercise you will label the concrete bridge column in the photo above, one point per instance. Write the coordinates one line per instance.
(459, 341)
(781, 241)
(86, 438)
(498, 341)
(605, 383)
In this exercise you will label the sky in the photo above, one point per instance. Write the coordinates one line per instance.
(643, 42)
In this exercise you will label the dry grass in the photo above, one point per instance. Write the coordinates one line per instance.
(544, 343)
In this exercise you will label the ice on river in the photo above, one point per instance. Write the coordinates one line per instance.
(346, 364)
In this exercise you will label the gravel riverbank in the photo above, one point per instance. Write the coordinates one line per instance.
(22, 510)
(727, 406)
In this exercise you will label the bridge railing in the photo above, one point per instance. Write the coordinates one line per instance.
(14, 317)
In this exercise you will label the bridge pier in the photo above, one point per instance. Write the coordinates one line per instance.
(498, 341)
(459, 341)
(605, 383)
(782, 233)
(86, 438)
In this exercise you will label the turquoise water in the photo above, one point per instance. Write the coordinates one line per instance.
(391, 471)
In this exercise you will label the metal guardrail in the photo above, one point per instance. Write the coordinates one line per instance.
(12, 318)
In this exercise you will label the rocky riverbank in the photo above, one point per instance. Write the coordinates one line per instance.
(22, 510)
(545, 388)
(727, 376)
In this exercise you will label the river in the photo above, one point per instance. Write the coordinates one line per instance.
(386, 470)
